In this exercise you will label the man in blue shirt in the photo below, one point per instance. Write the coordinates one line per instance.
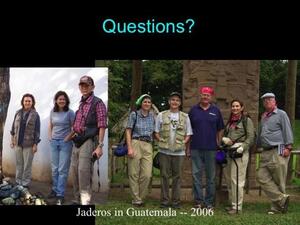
(275, 138)
(207, 123)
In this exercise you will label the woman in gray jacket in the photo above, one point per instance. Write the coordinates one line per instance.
(25, 136)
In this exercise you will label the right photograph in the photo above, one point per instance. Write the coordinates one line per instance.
(203, 138)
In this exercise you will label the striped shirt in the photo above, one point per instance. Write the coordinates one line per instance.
(82, 113)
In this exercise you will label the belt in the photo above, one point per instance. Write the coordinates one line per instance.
(145, 139)
(269, 148)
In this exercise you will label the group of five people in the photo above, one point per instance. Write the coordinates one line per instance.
(198, 136)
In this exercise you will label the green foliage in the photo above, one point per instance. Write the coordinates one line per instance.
(119, 82)
(160, 78)
(297, 134)
(273, 75)
(296, 181)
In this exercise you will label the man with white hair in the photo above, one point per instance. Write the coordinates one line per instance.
(275, 138)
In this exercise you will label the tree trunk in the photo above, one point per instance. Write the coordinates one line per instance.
(290, 95)
(4, 102)
(290, 102)
(137, 78)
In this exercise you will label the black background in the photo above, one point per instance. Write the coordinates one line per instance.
(76, 39)
(65, 37)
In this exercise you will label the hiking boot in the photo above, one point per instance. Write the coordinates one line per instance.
(228, 208)
(199, 205)
(164, 205)
(285, 205)
(75, 202)
(211, 208)
(233, 211)
(52, 194)
(273, 211)
(176, 206)
(60, 200)
(138, 203)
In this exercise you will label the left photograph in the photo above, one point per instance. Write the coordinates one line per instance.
(53, 136)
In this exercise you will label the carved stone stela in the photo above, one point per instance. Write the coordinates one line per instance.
(230, 79)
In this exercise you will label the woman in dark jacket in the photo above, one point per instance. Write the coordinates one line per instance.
(25, 136)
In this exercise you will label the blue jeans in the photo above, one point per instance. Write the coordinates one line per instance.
(60, 162)
(206, 159)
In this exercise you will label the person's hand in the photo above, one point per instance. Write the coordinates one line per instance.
(188, 153)
(286, 152)
(227, 141)
(34, 148)
(240, 150)
(130, 152)
(12, 145)
(236, 145)
(70, 136)
(98, 152)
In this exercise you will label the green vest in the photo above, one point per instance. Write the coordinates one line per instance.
(180, 132)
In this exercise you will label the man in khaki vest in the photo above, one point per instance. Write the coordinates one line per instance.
(275, 138)
(173, 131)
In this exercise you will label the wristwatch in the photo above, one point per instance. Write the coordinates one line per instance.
(101, 144)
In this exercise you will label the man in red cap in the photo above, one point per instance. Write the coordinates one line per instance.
(89, 127)
(207, 123)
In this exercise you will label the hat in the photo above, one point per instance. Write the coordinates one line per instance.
(207, 90)
(141, 98)
(175, 93)
(268, 95)
(86, 80)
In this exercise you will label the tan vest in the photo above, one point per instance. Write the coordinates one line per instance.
(180, 132)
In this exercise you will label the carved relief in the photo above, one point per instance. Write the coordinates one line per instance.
(230, 79)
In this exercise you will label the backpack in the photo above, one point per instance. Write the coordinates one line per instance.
(252, 146)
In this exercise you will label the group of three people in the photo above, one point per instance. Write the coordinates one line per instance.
(89, 123)
(198, 135)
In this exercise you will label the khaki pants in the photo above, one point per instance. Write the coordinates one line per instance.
(140, 170)
(82, 171)
(272, 174)
(24, 158)
(170, 167)
(231, 179)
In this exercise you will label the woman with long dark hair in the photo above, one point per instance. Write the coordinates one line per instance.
(239, 135)
(61, 122)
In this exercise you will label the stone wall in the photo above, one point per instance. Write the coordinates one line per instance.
(230, 79)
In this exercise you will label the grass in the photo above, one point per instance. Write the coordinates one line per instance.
(119, 211)
(297, 134)
(253, 213)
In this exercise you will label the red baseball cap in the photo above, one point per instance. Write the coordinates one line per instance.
(206, 90)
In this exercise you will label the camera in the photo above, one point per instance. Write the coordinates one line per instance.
(94, 158)
(234, 154)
